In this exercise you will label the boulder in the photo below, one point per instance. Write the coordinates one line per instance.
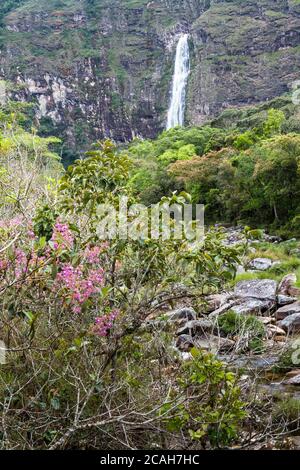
(285, 300)
(184, 342)
(293, 380)
(208, 342)
(266, 320)
(214, 343)
(274, 330)
(196, 327)
(215, 301)
(290, 323)
(253, 306)
(260, 264)
(263, 289)
(287, 310)
(224, 308)
(286, 283)
(292, 373)
(182, 314)
(294, 291)
(272, 238)
(279, 338)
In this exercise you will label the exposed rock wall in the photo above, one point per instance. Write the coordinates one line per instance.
(103, 68)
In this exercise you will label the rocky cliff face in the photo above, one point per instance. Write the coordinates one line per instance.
(99, 68)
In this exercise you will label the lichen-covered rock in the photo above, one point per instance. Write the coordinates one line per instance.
(291, 324)
(283, 300)
(251, 306)
(260, 264)
(184, 342)
(214, 343)
(196, 327)
(186, 313)
(287, 310)
(263, 289)
(274, 330)
(286, 284)
(215, 301)
(293, 380)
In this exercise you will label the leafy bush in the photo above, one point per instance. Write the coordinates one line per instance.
(212, 410)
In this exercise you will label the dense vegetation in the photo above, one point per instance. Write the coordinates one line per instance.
(245, 172)
(85, 366)
(79, 367)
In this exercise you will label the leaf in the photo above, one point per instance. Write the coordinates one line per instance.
(55, 403)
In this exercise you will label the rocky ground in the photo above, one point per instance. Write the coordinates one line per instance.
(255, 325)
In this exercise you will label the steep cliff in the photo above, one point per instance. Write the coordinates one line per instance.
(100, 68)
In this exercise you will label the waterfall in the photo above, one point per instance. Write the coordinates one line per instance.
(181, 72)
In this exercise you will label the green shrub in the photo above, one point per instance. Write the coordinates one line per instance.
(214, 411)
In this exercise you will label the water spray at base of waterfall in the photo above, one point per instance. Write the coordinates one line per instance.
(181, 73)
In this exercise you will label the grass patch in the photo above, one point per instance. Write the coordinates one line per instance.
(282, 252)
(287, 411)
(233, 324)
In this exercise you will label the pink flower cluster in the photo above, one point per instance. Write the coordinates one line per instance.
(104, 323)
(62, 236)
(79, 285)
(92, 254)
(12, 223)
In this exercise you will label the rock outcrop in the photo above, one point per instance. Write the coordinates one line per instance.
(104, 68)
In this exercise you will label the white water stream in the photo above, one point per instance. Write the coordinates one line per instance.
(181, 73)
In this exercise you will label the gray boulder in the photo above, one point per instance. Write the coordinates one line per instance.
(215, 301)
(182, 314)
(253, 307)
(184, 342)
(287, 310)
(260, 264)
(286, 284)
(285, 300)
(293, 380)
(263, 289)
(214, 343)
(196, 327)
(291, 324)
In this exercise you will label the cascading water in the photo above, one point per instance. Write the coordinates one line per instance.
(181, 73)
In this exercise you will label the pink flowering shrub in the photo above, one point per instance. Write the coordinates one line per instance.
(104, 323)
(80, 286)
(78, 278)
(62, 237)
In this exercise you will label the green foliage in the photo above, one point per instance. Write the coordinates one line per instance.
(220, 180)
(216, 165)
(287, 413)
(94, 180)
(245, 140)
(251, 327)
(8, 5)
(44, 221)
(150, 178)
(273, 124)
(217, 410)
